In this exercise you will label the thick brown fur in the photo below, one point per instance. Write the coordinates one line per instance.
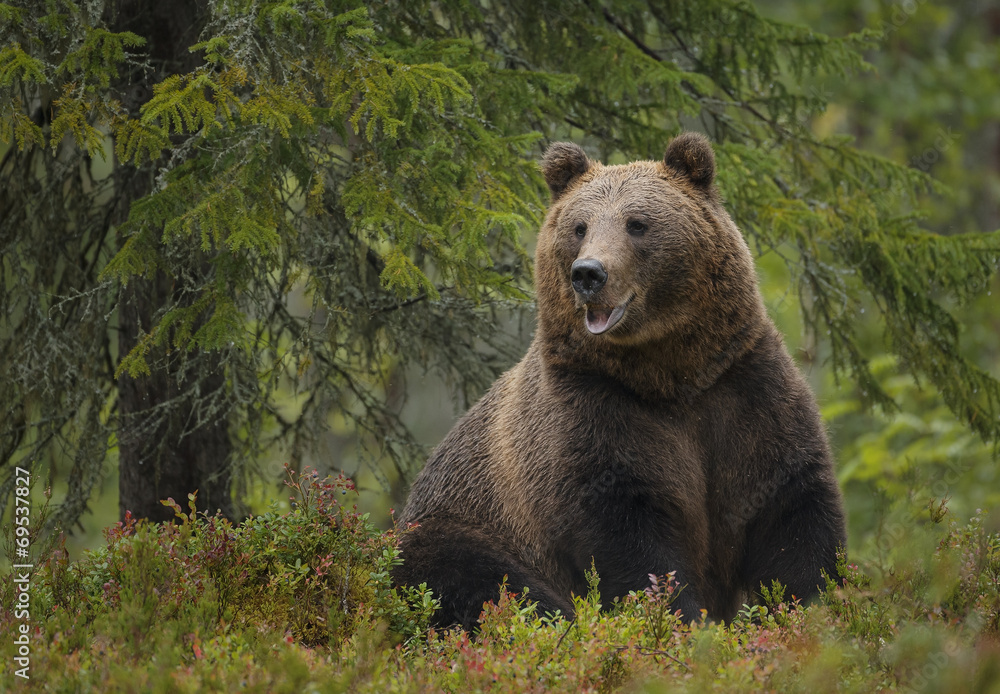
(682, 439)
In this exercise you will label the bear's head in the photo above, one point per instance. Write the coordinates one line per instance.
(643, 256)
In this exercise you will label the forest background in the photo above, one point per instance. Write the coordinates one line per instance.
(312, 321)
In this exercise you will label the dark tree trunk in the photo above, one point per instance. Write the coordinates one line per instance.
(163, 452)
(163, 449)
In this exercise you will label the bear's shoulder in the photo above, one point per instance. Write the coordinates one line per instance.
(763, 403)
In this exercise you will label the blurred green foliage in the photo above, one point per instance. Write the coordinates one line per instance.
(932, 100)
(342, 196)
(360, 182)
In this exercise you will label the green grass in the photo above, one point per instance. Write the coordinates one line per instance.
(301, 601)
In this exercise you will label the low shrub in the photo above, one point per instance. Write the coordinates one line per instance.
(302, 601)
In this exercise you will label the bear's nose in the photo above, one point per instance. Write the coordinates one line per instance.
(588, 276)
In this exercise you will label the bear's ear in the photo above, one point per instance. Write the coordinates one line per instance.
(563, 161)
(691, 156)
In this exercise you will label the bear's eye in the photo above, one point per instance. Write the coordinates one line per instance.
(635, 227)
(581, 229)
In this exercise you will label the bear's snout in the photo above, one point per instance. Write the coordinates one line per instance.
(588, 276)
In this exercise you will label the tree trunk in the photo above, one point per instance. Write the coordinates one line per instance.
(162, 452)
(163, 449)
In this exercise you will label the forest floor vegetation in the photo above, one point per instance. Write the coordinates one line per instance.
(302, 602)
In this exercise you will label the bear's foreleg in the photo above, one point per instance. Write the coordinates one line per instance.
(796, 537)
(464, 568)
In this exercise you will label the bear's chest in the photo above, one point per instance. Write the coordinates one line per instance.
(629, 493)
(590, 463)
(611, 457)
(625, 441)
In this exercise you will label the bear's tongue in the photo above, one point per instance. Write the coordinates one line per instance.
(600, 318)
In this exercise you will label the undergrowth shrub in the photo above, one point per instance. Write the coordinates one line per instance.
(302, 601)
(316, 575)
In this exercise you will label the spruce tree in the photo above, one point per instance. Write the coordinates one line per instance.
(224, 198)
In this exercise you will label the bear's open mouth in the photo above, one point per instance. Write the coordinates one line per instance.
(600, 319)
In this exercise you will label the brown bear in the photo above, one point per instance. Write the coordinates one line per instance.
(656, 424)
